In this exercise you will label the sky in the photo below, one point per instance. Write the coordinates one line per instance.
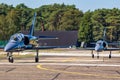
(83, 5)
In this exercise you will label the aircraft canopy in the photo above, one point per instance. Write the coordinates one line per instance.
(17, 37)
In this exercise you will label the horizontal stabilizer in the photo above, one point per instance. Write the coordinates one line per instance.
(47, 37)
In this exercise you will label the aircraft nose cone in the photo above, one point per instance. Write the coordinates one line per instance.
(9, 46)
(97, 48)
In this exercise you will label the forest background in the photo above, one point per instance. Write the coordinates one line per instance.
(61, 17)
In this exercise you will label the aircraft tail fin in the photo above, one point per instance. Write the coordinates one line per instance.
(32, 26)
(104, 34)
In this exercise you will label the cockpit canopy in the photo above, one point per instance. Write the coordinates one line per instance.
(17, 37)
(100, 42)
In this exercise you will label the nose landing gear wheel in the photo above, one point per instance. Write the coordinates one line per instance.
(97, 57)
(10, 59)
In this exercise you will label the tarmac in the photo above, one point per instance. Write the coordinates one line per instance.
(63, 65)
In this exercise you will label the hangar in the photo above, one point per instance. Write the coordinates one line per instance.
(65, 38)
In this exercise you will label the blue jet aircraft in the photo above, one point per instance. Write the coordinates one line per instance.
(22, 41)
(102, 45)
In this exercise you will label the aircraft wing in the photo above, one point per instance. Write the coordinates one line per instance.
(87, 48)
(40, 47)
(47, 47)
(112, 49)
(108, 49)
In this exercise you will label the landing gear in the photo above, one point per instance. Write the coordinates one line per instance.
(110, 55)
(37, 56)
(98, 55)
(92, 54)
(10, 58)
(36, 59)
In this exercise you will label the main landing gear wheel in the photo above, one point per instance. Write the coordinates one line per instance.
(109, 56)
(36, 59)
(92, 55)
(37, 55)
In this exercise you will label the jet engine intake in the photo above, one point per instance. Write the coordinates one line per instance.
(104, 44)
(26, 40)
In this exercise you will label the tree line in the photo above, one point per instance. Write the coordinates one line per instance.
(55, 17)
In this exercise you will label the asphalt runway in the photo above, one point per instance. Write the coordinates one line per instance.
(59, 67)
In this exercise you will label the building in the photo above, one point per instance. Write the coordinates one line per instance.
(65, 38)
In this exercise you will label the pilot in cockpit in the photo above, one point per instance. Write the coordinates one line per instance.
(15, 37)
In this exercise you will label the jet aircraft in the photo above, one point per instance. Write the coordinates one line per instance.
(102, 45)
(22, 41)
